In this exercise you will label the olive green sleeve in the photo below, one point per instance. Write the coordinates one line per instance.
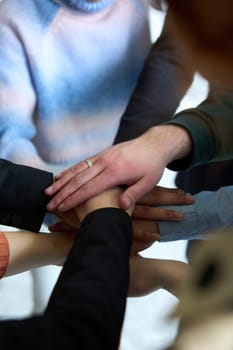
(210, 126)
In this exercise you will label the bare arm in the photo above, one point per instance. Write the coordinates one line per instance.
(28, 250)
(149, 275)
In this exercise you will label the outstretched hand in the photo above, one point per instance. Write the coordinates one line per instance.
(138, 164)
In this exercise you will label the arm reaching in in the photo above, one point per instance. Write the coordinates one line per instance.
(25, 250)
(148, 275)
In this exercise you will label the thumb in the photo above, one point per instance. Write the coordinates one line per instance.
(132, 194)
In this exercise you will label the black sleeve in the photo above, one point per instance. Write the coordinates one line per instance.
(87, 306)
(163, 82)
(22, 198)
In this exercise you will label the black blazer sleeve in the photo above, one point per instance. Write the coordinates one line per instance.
(22, 198)
(87, 306)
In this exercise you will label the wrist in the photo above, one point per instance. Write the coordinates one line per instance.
(107, 199)
(60, 245)
(178, 141)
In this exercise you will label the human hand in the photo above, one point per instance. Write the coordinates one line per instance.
(145, 215)
(147, 212)
(71, 219)
(138, 164)
(148, 275)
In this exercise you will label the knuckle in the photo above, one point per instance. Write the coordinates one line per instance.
(75, 168)
(77, 181)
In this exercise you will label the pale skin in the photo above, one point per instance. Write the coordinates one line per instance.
(118, 165)
(29, 250)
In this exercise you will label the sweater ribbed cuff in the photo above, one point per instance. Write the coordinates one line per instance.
(4, 254)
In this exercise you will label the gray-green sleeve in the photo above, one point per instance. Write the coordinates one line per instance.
(210, 126)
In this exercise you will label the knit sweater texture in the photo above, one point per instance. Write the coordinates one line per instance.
(67, 70)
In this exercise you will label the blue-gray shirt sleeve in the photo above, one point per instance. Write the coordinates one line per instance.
(211, 211)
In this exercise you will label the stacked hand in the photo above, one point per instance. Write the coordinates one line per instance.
(146, 275)
(144, 216)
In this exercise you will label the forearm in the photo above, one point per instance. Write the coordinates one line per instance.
(149, 275)
(97, 270)
(28, 250)
(170, 141)
(163, 82)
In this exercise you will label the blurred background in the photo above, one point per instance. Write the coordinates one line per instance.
(147, 325)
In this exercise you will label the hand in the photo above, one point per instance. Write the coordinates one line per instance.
(145, 215)
(147, 212)
(71, 219)
(149, 275)
(138, 163)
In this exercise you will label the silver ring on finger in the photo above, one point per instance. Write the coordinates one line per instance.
(89, 163)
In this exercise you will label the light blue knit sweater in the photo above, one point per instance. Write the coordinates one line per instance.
(67, 69)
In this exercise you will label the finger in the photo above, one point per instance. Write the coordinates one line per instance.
(76, 168)
(156, 213)
(166, 196)
(71, 191)
(73, 170)
(88, 190)
(146, 231)
(77, 174)
(131, 195)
